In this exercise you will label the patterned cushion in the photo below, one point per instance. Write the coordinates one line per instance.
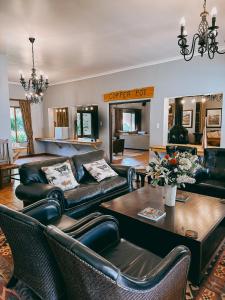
(61, 175)
(100, 170)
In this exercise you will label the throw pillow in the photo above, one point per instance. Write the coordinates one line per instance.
(100, 170)
(61, 175)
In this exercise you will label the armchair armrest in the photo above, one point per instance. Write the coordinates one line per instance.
(125, 171)
(37, 191)
(82, 222)
(44, 211)
(98, 234)
(175, 264)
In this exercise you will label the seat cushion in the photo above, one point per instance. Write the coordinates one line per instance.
(83, 193)
(209, 187)
(64, 223)
(114, 183)
(131, 259)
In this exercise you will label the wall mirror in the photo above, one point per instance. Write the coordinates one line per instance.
(189, 116)
(86, 123)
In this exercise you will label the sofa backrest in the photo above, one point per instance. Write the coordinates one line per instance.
(214, 160)
(81, 159)
(32, 172)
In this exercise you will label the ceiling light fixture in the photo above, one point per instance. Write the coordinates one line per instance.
(36, 85)
(206, 37)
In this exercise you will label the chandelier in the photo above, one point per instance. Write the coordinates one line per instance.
(204, 40)
(36, 85)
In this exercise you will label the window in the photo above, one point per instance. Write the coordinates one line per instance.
(129, 121)
(18, 134)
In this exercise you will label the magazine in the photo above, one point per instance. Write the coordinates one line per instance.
(152, 214)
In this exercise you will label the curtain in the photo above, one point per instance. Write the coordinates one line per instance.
(118, 120)
(26, 114)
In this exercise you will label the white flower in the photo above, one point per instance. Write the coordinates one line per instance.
(185, 179)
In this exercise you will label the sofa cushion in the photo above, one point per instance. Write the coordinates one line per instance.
(114, 183)
(131, 259)
(83, 193)
(100, 170)
(81, 159)
(32, 172)
(61, 175)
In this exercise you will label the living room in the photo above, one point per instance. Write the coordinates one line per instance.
(112, 85)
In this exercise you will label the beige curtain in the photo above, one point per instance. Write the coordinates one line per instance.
(26, 114)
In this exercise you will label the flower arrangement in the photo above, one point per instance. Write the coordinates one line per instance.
(175, 170)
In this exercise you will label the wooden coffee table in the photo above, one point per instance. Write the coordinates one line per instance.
(202, 214)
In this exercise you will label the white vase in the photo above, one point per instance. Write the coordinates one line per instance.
(170, 195)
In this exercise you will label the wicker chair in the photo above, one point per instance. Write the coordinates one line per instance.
(99, 265)
(34, 264)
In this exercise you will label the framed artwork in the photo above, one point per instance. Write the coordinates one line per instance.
(187, 120)
(213, 117)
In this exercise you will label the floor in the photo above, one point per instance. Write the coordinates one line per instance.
(132, 158)
(7, 194)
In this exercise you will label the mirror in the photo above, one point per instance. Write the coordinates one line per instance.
(86, 123)
(189, 116)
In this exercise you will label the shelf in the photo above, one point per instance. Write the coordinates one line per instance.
(94, 144)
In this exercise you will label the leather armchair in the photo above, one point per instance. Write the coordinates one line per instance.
(170, 149)
(210, 179)
(81, 200)
(97, 264)
(34, 264)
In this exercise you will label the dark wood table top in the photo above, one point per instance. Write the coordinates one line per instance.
(200, 213)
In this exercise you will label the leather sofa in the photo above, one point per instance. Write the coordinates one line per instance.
(97, 264)
(81, 200)
(170, 149)
(210, 180)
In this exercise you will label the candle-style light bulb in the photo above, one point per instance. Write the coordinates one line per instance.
(214, 12)
(182, 22)
(182, 25)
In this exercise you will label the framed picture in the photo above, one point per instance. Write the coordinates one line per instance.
(213, 117)
(187, 118)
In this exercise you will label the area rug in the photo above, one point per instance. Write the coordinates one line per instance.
(211, 288)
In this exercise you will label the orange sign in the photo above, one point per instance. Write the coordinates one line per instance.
(142, 93)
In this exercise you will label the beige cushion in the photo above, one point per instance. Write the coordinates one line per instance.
(100, 170)
(61, 175)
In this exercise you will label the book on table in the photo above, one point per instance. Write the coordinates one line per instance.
(152, 214)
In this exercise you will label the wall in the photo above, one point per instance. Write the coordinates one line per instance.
(176, 78)
(4, 100)
(17, 92)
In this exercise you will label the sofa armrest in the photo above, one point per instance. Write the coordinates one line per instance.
(98, 234)
(125, 171)
(44, 211)
(201, 174)
(175, 264)
(36, 191)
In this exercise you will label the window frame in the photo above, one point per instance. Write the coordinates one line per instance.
(15, 120)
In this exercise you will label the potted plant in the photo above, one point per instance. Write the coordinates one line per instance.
(173, 171)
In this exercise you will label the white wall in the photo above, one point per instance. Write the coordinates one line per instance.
(4, 100)
(17, 92)
(176, 78)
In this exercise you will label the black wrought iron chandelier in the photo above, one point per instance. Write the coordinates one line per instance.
(205, 40)
(36, 84)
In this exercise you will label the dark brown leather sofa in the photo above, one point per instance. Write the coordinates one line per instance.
(81, 200)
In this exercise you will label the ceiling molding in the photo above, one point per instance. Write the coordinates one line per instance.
(139, 66)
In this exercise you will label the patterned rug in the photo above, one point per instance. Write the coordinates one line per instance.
(211, 288)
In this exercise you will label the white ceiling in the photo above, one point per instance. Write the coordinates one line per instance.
(81, 38)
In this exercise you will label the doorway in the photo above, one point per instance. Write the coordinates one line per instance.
(129, 136)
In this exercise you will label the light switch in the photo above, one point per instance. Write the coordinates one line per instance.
(157, 125)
